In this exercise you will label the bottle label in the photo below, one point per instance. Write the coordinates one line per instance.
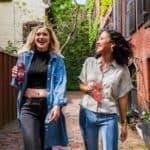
(21, 73)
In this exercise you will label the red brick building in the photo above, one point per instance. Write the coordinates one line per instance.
(132, 19)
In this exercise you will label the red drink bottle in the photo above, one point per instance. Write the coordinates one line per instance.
(21, 73)
(98, 86)
(97, 94)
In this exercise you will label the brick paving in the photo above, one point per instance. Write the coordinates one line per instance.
(11, 139)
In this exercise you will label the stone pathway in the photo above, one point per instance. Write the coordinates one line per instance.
(11, 139)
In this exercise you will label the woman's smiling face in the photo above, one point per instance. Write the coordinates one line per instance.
(103, 44)
(42, 39)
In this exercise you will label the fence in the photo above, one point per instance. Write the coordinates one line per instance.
(7, 93)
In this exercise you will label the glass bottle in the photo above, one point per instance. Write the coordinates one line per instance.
(97, 92)
(21, 72)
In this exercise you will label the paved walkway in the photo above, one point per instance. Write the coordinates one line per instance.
(10, 137)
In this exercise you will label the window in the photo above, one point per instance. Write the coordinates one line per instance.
(119, 16)
(27, 27)
(133, 104)
(146, 6)
(140, 12)
(130, 17)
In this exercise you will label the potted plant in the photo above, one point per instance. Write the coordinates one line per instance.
(143, 128)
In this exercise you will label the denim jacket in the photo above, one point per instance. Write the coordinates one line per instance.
(56, 81)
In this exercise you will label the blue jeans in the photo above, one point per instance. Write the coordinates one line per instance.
(33, 114)
(94, 124)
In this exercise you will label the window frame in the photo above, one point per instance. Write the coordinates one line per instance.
(130, 17)
(146, 7)
(119, 16)
(140, 12)
(27, 27)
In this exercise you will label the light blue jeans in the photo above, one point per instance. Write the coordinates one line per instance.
(94, 124)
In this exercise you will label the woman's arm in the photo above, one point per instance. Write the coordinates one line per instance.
(86, 87)
(123, 105)
(60, 81)
(59, 90)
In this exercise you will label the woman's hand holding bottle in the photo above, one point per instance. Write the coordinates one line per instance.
(96, 90)
(19, 72)
(14, 71)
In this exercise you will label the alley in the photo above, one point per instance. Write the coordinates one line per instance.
(10, 137)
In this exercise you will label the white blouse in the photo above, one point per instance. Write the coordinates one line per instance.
(116, 83)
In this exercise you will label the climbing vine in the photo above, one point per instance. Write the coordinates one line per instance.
(93, 22)
(104, 4)
(11, 48)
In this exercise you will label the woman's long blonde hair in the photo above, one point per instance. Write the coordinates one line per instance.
(54, 43)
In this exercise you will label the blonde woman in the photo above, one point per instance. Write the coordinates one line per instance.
(41, 93)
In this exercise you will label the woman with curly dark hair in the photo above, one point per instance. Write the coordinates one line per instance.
(105, 81)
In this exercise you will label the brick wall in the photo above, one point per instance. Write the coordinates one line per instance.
(141, 40)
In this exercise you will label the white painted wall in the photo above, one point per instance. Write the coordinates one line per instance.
(12, 17)
(6, 23)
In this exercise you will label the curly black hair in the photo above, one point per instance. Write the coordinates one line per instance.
(122, 50)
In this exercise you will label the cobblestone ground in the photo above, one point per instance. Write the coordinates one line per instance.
(11, 139)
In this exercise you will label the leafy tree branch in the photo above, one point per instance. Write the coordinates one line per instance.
(74, 30)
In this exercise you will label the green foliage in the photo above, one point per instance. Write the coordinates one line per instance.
(147, 116)
(75, 55)
(93, 23)
(93, 30)
(10, 48)
(63, 14)
(104, 4)
(63, 19)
